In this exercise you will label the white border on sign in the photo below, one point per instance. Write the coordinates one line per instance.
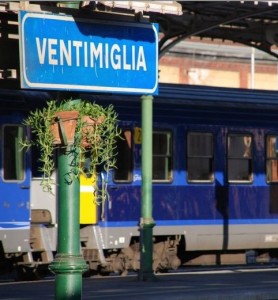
(79, 87)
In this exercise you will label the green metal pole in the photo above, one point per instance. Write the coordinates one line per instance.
(146, 221)
(68, 264)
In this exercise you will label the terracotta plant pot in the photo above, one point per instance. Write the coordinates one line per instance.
(89, 128)
(68, 121)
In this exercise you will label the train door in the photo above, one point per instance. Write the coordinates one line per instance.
(124, 186)
(88, 201)
(15, 190)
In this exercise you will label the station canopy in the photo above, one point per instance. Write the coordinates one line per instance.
(251, 23)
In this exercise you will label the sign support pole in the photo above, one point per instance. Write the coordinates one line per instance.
(146, 221)
(69, 263)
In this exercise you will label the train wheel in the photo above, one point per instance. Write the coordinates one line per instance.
(104, 273)
(27, 273)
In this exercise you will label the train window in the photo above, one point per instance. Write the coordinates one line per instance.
(239, 157)
(162, 156)
(200, 157)
(13, 157)
(124, 166)
(272, 158)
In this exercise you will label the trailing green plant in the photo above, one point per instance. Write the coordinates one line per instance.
(94, 140)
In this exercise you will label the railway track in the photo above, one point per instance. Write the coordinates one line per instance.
(12, 277)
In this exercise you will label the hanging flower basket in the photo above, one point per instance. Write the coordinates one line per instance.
(90, 134)
(63, 127)
(90, 129)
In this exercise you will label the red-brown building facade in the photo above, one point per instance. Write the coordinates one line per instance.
(219, 64)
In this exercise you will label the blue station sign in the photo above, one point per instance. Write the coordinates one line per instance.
(66, 53)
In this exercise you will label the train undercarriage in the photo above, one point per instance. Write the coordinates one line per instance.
(169, 253)
(122, 260)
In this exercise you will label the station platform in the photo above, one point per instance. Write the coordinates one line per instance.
(209, 285)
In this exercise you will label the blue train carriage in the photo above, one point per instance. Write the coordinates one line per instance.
(214, 184)
(27, 215)
(215, 178)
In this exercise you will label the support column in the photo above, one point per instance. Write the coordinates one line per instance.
(146, 221)
(68, 264)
